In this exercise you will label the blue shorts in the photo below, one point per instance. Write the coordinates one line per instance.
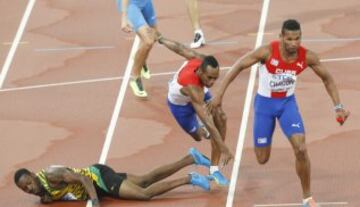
(140, 13)
(186, 116)
(267, 110)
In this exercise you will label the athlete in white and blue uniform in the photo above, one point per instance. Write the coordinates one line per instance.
(281, 62)
(187, 97)
(139, 15)
(275, 97)
(180, 104)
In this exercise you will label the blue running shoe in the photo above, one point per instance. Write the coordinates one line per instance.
(199, 158)
(219, 178)
(199, 180)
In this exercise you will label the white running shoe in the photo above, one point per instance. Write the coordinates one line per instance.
(199, 40)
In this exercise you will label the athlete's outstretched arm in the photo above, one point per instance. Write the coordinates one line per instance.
(196, 95)
(180, 48)
(244, 62)
(62, 174)
(313, 61)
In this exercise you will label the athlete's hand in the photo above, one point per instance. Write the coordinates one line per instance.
(125, 26)
(213, 104)
(226, 157)
(342, 115)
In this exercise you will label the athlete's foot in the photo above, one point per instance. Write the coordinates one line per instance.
(145, 72)
(219, 178)
(199, 158)
(138, 88)
(310, 202)
(199, 40)
(199, 180)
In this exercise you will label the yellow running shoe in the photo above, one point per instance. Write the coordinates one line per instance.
(145, 72)
(138, 88)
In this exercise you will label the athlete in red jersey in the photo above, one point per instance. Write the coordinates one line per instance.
(187, 97)
(281, 63)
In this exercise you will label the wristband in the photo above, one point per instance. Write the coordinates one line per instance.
(338, 107)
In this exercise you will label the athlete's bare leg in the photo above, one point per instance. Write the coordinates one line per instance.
(220, 120)
(147, 186)
(147, 39)
(303, 168)
(193, 11)
(161, 172)
(129, 190)
(263, 154)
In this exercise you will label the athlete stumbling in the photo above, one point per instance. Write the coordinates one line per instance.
(281, 62)
(187, 97)
(58, 183)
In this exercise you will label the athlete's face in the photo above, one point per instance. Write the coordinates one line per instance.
(29, 184)
(291, 40)
(209, 76)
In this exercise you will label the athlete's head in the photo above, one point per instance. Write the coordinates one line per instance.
(208, 71)
(27, 181)
(290, 36)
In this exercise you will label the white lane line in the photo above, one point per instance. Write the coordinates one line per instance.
(340, 59)
(119, 101)
(213, 42)
(61, 84)
(332, 39)
(83, 82)
(299, 204)
(120, 77)
(313, 40)
(61, 49)
(117, 108)
(246, 110)
(20, 43)
(16, 42)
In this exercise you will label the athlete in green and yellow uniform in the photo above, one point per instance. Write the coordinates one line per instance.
(63, 183)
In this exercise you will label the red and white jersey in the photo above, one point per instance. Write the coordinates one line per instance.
(185, 76)
(277, 79)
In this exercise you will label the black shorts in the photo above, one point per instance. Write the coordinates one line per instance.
(111, 181)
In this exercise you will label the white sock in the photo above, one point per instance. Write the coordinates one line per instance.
(307, 199)
(213, 169)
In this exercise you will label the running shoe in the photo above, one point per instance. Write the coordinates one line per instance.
(145, 72)
(219, 178)
(138, 88)
(200, 181)
(199, 158)
(310, 203)
(199, 40)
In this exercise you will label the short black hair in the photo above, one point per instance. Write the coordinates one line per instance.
(19, 173)
(209, 60)
(290, 24)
